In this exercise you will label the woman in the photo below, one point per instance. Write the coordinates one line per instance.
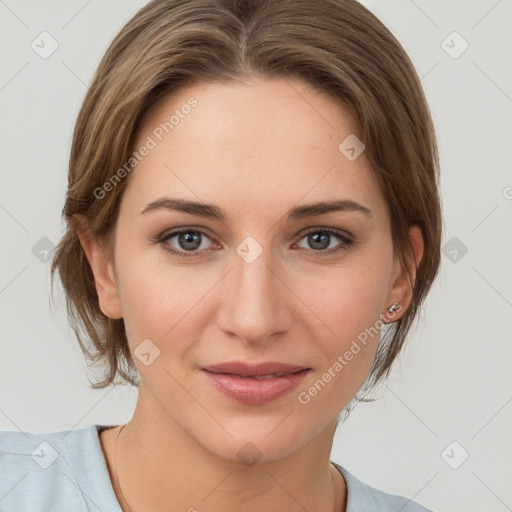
(253, 224)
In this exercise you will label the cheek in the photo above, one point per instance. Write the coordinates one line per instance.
(348, 309)
(161, 302)
(348, 298)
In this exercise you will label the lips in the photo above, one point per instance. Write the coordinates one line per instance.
(255, 384)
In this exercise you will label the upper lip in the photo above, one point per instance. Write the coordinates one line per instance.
(254, 370)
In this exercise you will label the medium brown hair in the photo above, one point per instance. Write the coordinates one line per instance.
(336, 46)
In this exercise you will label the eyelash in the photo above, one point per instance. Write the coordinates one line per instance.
(346, 241)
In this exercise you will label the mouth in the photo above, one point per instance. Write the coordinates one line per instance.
(255, 384)
(269, 369)
(259, 377)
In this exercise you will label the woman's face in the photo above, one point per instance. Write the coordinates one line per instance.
(270, 281)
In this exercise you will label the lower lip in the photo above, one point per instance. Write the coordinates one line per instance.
(253, 391)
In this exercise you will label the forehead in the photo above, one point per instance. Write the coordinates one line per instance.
(250, 143)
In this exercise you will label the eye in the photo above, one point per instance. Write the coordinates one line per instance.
(188, 243)
(320, 239)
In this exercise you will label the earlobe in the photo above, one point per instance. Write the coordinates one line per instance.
(102, 266)
(401, 291)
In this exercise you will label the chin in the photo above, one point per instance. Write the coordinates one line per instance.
(251, 443)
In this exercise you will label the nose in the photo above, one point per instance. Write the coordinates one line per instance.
(256, 304)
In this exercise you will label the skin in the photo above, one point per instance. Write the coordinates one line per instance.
(254, 149)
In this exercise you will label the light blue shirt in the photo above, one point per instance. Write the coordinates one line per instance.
(66, 471)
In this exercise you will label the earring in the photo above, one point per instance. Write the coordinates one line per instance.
(397, 306)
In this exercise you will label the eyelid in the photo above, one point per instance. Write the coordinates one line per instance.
(336, 231)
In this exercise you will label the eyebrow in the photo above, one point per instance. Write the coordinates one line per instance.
(214, 212)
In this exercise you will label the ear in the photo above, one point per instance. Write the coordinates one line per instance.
(102, 265)
(401, 288)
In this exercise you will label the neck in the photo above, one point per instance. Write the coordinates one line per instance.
(160, 467)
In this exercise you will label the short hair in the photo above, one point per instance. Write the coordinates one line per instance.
(336, 46)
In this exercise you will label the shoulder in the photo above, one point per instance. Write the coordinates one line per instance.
(58, 471)
(362, 497)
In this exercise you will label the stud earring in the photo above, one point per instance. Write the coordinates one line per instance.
(397, 306)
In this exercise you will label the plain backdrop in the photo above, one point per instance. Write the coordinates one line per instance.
(440, 431)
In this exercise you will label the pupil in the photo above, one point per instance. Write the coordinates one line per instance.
(319, 241)
(189, 241)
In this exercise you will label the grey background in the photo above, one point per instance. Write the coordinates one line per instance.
(453, 383)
